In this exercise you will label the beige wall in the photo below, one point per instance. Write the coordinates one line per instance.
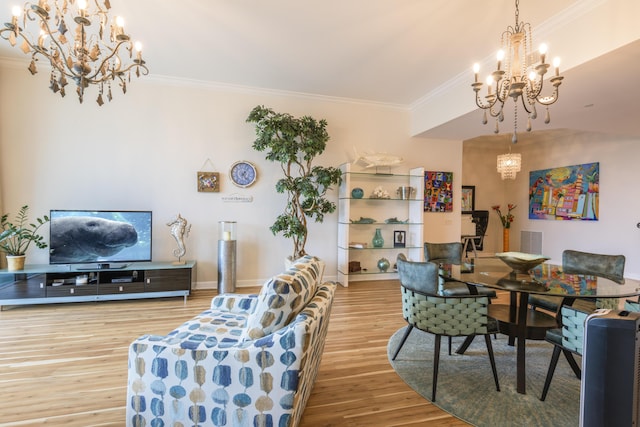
(142, 151)
(614, 233)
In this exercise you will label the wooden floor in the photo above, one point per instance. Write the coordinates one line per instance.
(66, 364)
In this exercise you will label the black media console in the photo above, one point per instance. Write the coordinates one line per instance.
(47, 284)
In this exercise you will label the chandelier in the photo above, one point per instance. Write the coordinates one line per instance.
(522, 78)
(89, 54)
(509, 164)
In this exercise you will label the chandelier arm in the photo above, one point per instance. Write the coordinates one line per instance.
(487, 105)
(525, 104)
(548, 100)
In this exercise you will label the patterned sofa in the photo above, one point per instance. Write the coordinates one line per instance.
(249, 360)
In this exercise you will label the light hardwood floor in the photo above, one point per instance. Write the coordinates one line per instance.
(66, 364)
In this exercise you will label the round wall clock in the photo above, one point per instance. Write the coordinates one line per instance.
(243, 173)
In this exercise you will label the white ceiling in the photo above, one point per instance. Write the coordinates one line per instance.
(385, 51)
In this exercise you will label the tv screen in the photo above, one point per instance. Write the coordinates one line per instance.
(102, 237)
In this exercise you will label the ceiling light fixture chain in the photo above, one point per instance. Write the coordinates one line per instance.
(519, 75)
(91, 55)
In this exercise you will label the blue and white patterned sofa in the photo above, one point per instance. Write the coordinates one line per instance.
(250, 360)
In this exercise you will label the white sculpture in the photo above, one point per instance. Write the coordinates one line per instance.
(179, 228)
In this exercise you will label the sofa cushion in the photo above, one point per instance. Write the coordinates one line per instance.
(283, 296)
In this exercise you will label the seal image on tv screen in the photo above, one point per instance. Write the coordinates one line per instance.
(87, 239)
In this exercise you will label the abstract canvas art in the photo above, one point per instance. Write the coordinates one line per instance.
(565, 193)
(438, 193)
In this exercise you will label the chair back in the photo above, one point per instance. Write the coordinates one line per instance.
(418, 276)
(607, 266)
(573, 328)
(440, 315)
(481, 220)
(450, 253)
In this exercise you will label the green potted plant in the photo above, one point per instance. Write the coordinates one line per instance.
(16, 237)
(295, 143)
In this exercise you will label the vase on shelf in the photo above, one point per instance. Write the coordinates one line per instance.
(383, 265)
(505, 239)
(378, 241)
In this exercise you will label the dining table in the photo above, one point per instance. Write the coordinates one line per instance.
(516, 319)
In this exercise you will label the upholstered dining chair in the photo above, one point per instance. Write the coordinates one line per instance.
(576, 262)
(567, 340)
(569, 337)
(423, 308)
(451, 253)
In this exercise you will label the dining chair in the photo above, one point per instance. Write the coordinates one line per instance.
(568, 338)
(423, 308)
(577, 262)
(451, 253)
(475, 242)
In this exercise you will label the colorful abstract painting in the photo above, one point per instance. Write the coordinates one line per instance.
(565, 193)
(438, 193)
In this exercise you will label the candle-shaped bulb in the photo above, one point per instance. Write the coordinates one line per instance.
(82, 4)
(16, 11)
(42, 38)
(489, 84)
(532, 76)
(138, 46)
(556, 65)
(543, 52)
(120, 21)
(476, 69)
(500, 57)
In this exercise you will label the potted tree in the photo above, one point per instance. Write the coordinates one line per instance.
(17, 236)
(295, 143)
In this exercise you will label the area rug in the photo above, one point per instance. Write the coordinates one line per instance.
(466, 388)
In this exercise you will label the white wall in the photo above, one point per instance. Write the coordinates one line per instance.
(614, 233)
(142, 151)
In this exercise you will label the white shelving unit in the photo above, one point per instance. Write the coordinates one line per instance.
(352, 234)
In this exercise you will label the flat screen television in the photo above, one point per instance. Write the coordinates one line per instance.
(99, 238)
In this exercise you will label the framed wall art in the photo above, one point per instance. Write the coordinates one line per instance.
(208, 182)
(399, 239)
(438, 193)
(468, 199)
(565, 193)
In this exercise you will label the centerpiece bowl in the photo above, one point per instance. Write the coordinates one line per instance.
(521, 262)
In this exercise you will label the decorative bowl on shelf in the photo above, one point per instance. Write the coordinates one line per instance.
(521, 262)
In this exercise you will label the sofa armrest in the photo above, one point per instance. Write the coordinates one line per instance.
(235, 303)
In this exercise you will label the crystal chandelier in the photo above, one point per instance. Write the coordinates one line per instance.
(90, 54)
(509, 164)
(521, 78)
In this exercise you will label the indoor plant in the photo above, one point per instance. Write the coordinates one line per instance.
(17, 236)
(295, 143)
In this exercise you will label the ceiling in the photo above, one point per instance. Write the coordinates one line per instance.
(391, 52)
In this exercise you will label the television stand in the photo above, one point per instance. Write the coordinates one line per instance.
(47, 284)
(99, 266)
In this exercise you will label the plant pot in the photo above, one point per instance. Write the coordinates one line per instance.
(15, 262)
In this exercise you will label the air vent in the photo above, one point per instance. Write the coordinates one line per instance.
(531, 242)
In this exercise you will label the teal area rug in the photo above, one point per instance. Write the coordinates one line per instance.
(466, 388)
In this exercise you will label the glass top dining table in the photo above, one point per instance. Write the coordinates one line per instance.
(517, 320)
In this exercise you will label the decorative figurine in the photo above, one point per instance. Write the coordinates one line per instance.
(179, 227)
